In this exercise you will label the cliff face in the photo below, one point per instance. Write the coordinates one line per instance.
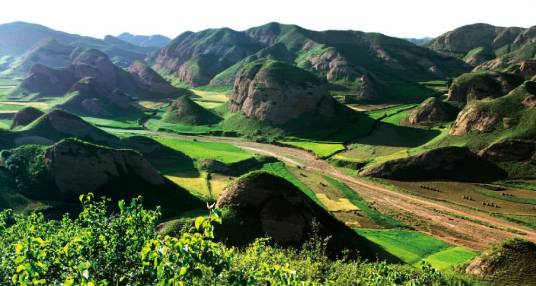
(479, 85)
(276, 93)
(80, 169)
(432, 110)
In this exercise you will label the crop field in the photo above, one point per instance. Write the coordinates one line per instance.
(389, 111)
(155, 124)
(17, 105)
(196, 150)
(320, 149)
(379, 219)
(120, 123)
(194, 183)
(209, 99)
(412, 247)
(474, 196)
(440, 86)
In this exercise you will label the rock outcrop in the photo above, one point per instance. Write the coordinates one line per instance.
(276, 93)
(433, 110)
(81, 168)
(267, 205)
(89, 97)
(185, 111)
(25, 116)
(479, 85)
(149, 80)
(509, 263)
(447, 163)
(511, 111)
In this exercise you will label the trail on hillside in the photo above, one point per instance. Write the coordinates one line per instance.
(459, 226)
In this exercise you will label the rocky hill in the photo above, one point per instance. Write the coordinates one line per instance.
(45, 81)
(433, 110)
(509, 263)
(183, 110)
(479, 85)
(72, 167)
(276, 93)
(364, 63)
(149, 80)
(18, 38)
(156, 41)
(514, 113)
(448, 163)
(89, 97)
(488, 46)
(259, 204)
(25, 116)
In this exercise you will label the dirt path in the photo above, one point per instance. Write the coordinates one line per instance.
(471, 229)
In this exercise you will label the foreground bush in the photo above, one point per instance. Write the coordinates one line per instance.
(123, 248)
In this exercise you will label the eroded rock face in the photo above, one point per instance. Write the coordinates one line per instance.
(469, 87)
(79, 169)
(510, 150)
(286, 214)
(148, 79)
(473, 119)
(432, 110)
(527, 69)
(263, 95)
(448, 163)
(26, 116)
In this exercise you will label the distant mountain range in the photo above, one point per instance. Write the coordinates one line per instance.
(153, 41)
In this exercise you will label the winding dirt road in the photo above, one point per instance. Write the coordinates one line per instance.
(462, 227)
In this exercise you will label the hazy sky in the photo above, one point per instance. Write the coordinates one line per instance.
(401, 18)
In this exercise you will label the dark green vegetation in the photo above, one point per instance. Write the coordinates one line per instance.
(185, 111)
(96, 248)
(369, 66)
(509, 263)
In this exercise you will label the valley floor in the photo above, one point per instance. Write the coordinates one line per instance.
(456, 224)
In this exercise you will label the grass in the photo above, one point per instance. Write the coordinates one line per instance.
(279, 169)
(498, 195)
(412, 247)
(120, 123)
(371, 212)
(320, 149)
(450, 257)
(196, 150)
(5, 123)
(525, 220)
(389, 111)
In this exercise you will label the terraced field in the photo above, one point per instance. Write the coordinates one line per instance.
(209, 99)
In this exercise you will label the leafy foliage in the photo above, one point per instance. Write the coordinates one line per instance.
(124, 248)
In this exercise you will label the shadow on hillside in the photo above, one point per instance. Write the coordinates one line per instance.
(386, 134)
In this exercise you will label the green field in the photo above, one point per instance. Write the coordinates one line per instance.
(389, 111)
(196, 150)
(5, 123)
(498, 195)
(322, 150)
(120, 123)
(412, 247)
(9, 107)
(156, 125)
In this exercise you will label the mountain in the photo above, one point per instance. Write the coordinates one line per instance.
(44, 81)
(18, 38)
(69, 168)
(479, 85)
(419, 41)
(89, 97)
(369, 65)
(183, 110)
(156, 41)
(26, 116)
(150, 80)
(276, 93)
(433, 110)
(488, 46)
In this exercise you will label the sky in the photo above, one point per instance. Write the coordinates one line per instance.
(399, 18)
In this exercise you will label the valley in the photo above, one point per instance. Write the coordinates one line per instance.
(202, 154)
